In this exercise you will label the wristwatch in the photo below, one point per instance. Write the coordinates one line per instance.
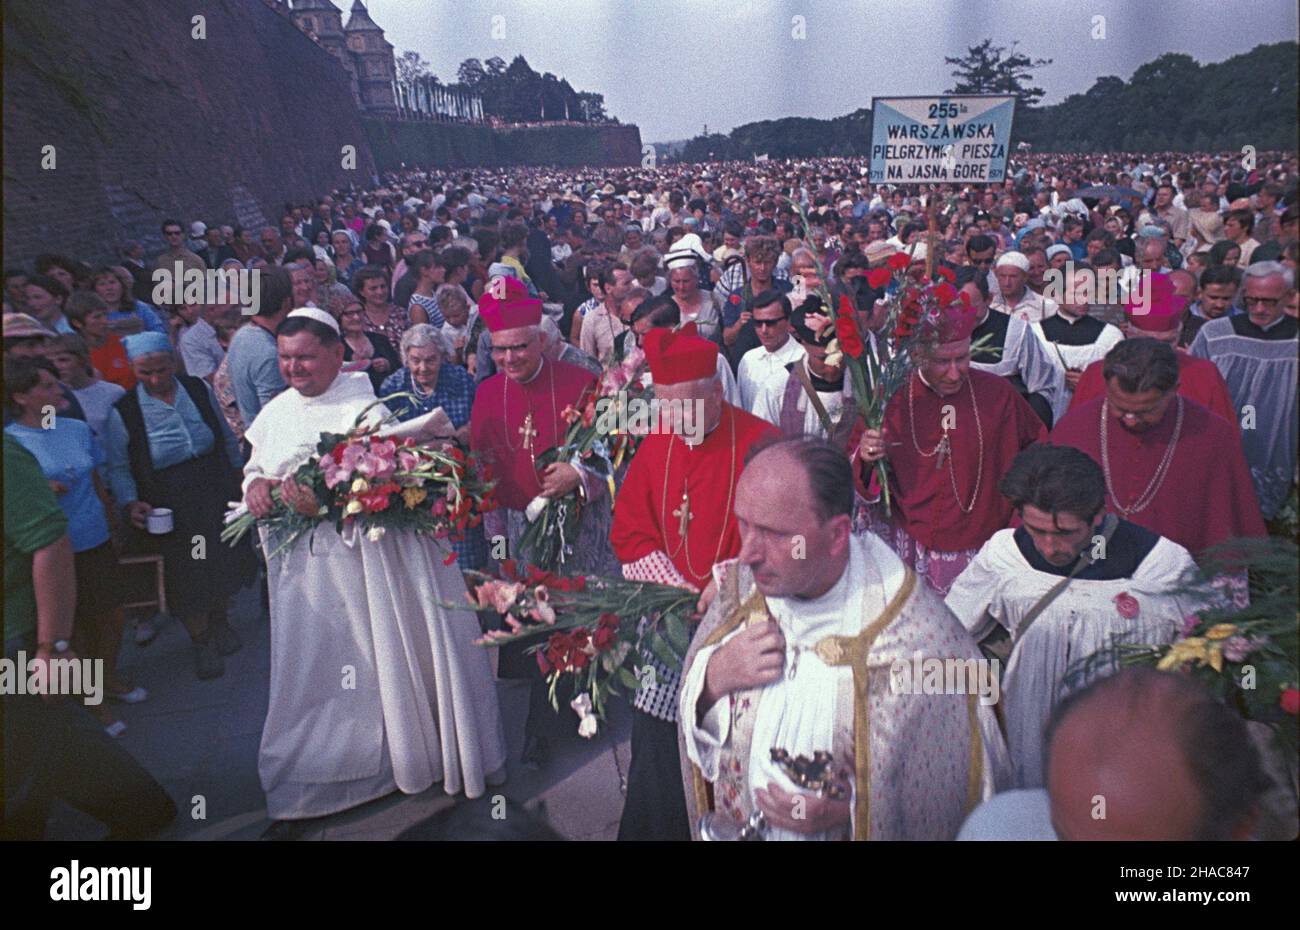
(59, 646)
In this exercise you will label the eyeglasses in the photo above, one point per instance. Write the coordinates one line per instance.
(1266, 301)
(758, 324)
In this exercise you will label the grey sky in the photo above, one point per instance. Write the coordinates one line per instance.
(671, 66)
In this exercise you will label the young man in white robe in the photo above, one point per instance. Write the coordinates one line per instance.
(1107, 579)
(798, 651)
(374, 686)
(1072, 338)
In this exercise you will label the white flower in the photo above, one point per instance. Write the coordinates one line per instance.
(588, 727)
(582, 705)
(535, 508)
(375, 533)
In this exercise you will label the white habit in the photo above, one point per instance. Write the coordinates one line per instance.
(1082, 620)
(374, 687)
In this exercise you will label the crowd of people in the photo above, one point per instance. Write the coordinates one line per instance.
(1152, 399)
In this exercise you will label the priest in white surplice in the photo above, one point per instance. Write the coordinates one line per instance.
(796, 653)
(374, 687)
(1123, 581)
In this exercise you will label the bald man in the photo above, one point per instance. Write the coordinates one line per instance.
(1140, 755)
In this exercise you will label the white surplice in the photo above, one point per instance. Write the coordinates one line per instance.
(374, 686)
(1083, 619)
(801, 711)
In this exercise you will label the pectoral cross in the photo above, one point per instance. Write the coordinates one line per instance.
(944, 448)
(527, 433)
(683, 515)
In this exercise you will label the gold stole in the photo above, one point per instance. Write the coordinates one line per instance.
(851, 651)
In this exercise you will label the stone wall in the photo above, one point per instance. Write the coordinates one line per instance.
(148, 122)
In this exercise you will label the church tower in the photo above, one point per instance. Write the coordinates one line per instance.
(374, 63)
(323, 21)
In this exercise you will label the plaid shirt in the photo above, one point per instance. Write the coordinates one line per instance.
(735, 280)
(454, 393)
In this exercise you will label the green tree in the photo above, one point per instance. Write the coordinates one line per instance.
(411, 66)
(994, 69)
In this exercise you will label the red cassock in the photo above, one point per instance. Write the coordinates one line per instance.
(923, 500)
(1198, 380)
(1207, 495)
(647, 510)
(497, 421)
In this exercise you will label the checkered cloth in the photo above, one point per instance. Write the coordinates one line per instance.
(658, 698)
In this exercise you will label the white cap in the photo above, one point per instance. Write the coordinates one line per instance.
(1014, 260)
(1057, 250)
(197, 229)
(320, 316)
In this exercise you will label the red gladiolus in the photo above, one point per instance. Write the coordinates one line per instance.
(945, 293)
(965, 299)
(947, 274)
(846, 331)
(879, 277)
(606, 636)
(1290, 701)
(846, 305)
(451, 557)
(898, 261)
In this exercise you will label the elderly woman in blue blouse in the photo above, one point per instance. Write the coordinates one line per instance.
(70, 458)
(432, 381)
(169, 446)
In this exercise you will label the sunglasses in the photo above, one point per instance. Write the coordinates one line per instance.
(758, 324)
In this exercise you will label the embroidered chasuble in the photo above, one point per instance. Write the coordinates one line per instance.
(916, 763)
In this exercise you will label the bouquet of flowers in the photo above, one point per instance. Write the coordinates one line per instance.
(377, 480)
(1245, 655)
(594, 439)
(917, 308)
(589, 628)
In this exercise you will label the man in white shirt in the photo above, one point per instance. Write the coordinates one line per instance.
(1015, 298)
(771, 361)
(200, 349)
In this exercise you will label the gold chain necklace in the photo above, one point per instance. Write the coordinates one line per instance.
(683, 512)
(1145, 499)
(943, 448)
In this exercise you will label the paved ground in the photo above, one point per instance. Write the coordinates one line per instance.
(200, 738)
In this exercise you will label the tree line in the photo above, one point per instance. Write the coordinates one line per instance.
(1172, 103)
(511, 92)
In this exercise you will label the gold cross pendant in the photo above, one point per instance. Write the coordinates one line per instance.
(527, 431)
(944, 448)
(683, 515)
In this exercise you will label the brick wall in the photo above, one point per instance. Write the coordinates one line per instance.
(149, 122)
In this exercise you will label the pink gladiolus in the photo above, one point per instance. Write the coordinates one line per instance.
(1189, 625)
(504, 595)
(407, 461)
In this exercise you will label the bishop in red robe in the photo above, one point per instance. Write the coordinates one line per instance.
(1161, 317)
(949, 435)
(1171, 465)
(516, 417)
(672, 522)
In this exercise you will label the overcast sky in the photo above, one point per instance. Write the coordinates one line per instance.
(672, 66)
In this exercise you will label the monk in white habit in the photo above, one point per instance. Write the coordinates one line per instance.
(797, 656)
(374, 687)
(1065, 584)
